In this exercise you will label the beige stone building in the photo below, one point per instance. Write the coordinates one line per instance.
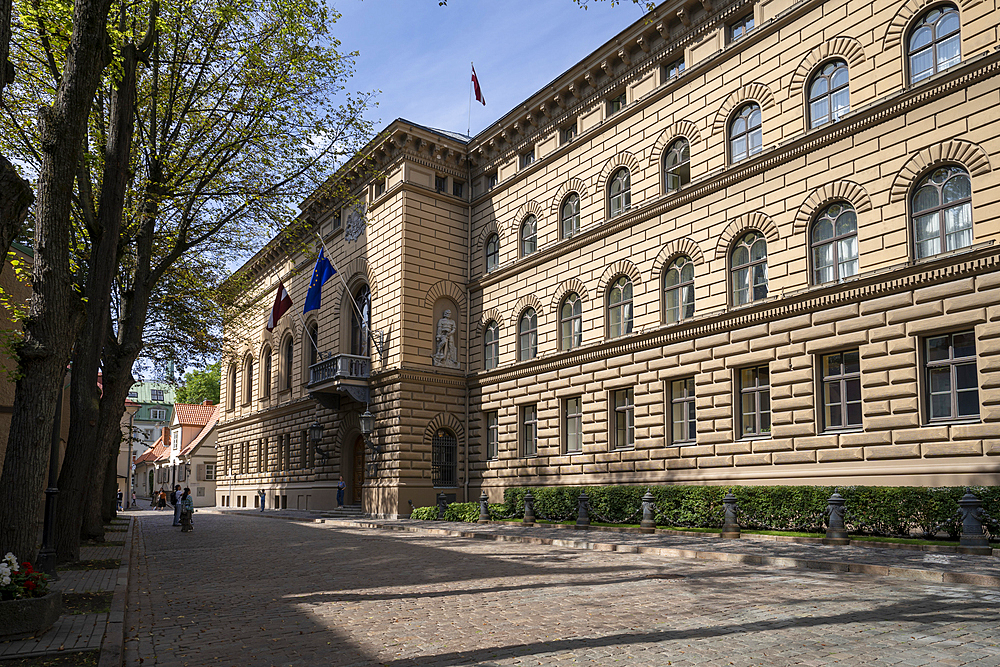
(740, 243)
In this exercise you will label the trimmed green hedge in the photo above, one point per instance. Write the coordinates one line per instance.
(870, 510)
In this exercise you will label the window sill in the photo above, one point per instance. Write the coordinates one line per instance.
(752, 437)
(685, 443)
(956, 421)
(839, 431)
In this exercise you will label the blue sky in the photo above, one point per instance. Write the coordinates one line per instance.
(418, 54)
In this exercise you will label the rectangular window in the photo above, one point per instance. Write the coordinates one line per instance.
(441, 183)
(573, 425)
(209, 472)
(740, 28)
(841, 390)
(457, 187)
(380, 187)
(133, 394)
(175, 439)
(156, 395)
(338, 219)
(673, 69)
(491, 180)
(492, 435)
(529, 430)
(567, 134)
(682, 420)
(951, 377)
(755, 402)
(156, 414)
(527, 158)
(616, 104)
(624, 433)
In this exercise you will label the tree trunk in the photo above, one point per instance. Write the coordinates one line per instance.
(85, 464)
(56, 313)
(109, 499)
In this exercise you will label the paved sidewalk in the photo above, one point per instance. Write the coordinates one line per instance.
(85, 632)
(297, 593)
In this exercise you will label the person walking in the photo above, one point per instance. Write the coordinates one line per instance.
(187, 509)
(176, 497)
(341, 486)
(119, 498)
(161, 501)
(262, 498)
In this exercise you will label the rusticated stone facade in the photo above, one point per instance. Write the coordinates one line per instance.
(808, 293)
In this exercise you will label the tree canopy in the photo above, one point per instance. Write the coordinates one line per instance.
(199, 385)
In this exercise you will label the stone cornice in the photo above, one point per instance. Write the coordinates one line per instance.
(966, 74)
(409, 374)
(984, 258)
(263, 415)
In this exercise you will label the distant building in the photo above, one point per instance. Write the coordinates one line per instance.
(739, 243)
(156, 401)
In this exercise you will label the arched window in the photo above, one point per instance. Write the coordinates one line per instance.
(834, 239)
(491, 346)
(569, 215)
(748, 267)
(492, 252)
(570, 322)
(620, 308)
(745, 137)
(444, 458)
(312, 340)
(619, 194)
(231, 388)
(677, 166)
(942, 211)
(247, 379)
(361, 322)
(527, 335)
(678, 289)
(935, 43)
(529, 236)
(265, 372)
(829, 94)
(287, 357)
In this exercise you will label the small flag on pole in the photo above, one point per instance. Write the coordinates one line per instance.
(321, 273)
(475, 84)
(282, 302)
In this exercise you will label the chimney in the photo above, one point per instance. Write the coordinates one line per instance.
(207, 401)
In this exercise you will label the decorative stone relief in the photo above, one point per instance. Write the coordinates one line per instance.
(355, 226)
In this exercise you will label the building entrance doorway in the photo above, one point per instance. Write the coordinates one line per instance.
(359, 470)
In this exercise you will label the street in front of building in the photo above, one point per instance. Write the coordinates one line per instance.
(250, 591)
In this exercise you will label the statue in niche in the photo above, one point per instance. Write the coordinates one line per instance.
(447, 351)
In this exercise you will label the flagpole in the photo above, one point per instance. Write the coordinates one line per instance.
(468, 132)
(357, 308)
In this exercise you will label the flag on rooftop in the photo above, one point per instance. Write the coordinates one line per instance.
(475, 83)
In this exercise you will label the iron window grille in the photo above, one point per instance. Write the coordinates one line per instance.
(444, 459)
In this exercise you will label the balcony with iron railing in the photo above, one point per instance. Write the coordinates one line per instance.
(344, 374)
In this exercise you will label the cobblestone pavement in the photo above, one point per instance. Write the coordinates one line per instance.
(242, 591)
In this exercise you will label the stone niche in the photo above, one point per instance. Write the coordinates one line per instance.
(446, 335)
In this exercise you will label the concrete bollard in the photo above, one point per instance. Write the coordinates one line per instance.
(582, 515)
(442, 506)
(484, 508)
(973, 539)
(648, 523)
(529, 510)
(731, 523)
(836, 532)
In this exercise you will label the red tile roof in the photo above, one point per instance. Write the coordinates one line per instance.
(204, 432)
(155, 452)
(193, 415)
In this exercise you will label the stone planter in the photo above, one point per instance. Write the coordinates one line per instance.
(29, 616)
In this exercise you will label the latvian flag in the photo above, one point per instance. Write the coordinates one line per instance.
(475, 84)
(282, 302)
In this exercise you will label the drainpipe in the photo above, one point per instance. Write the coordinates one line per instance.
(468, 324)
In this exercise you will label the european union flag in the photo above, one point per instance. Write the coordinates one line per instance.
(324, 271)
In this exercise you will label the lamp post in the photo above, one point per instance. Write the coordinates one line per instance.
(131, 408)
(316, 437)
